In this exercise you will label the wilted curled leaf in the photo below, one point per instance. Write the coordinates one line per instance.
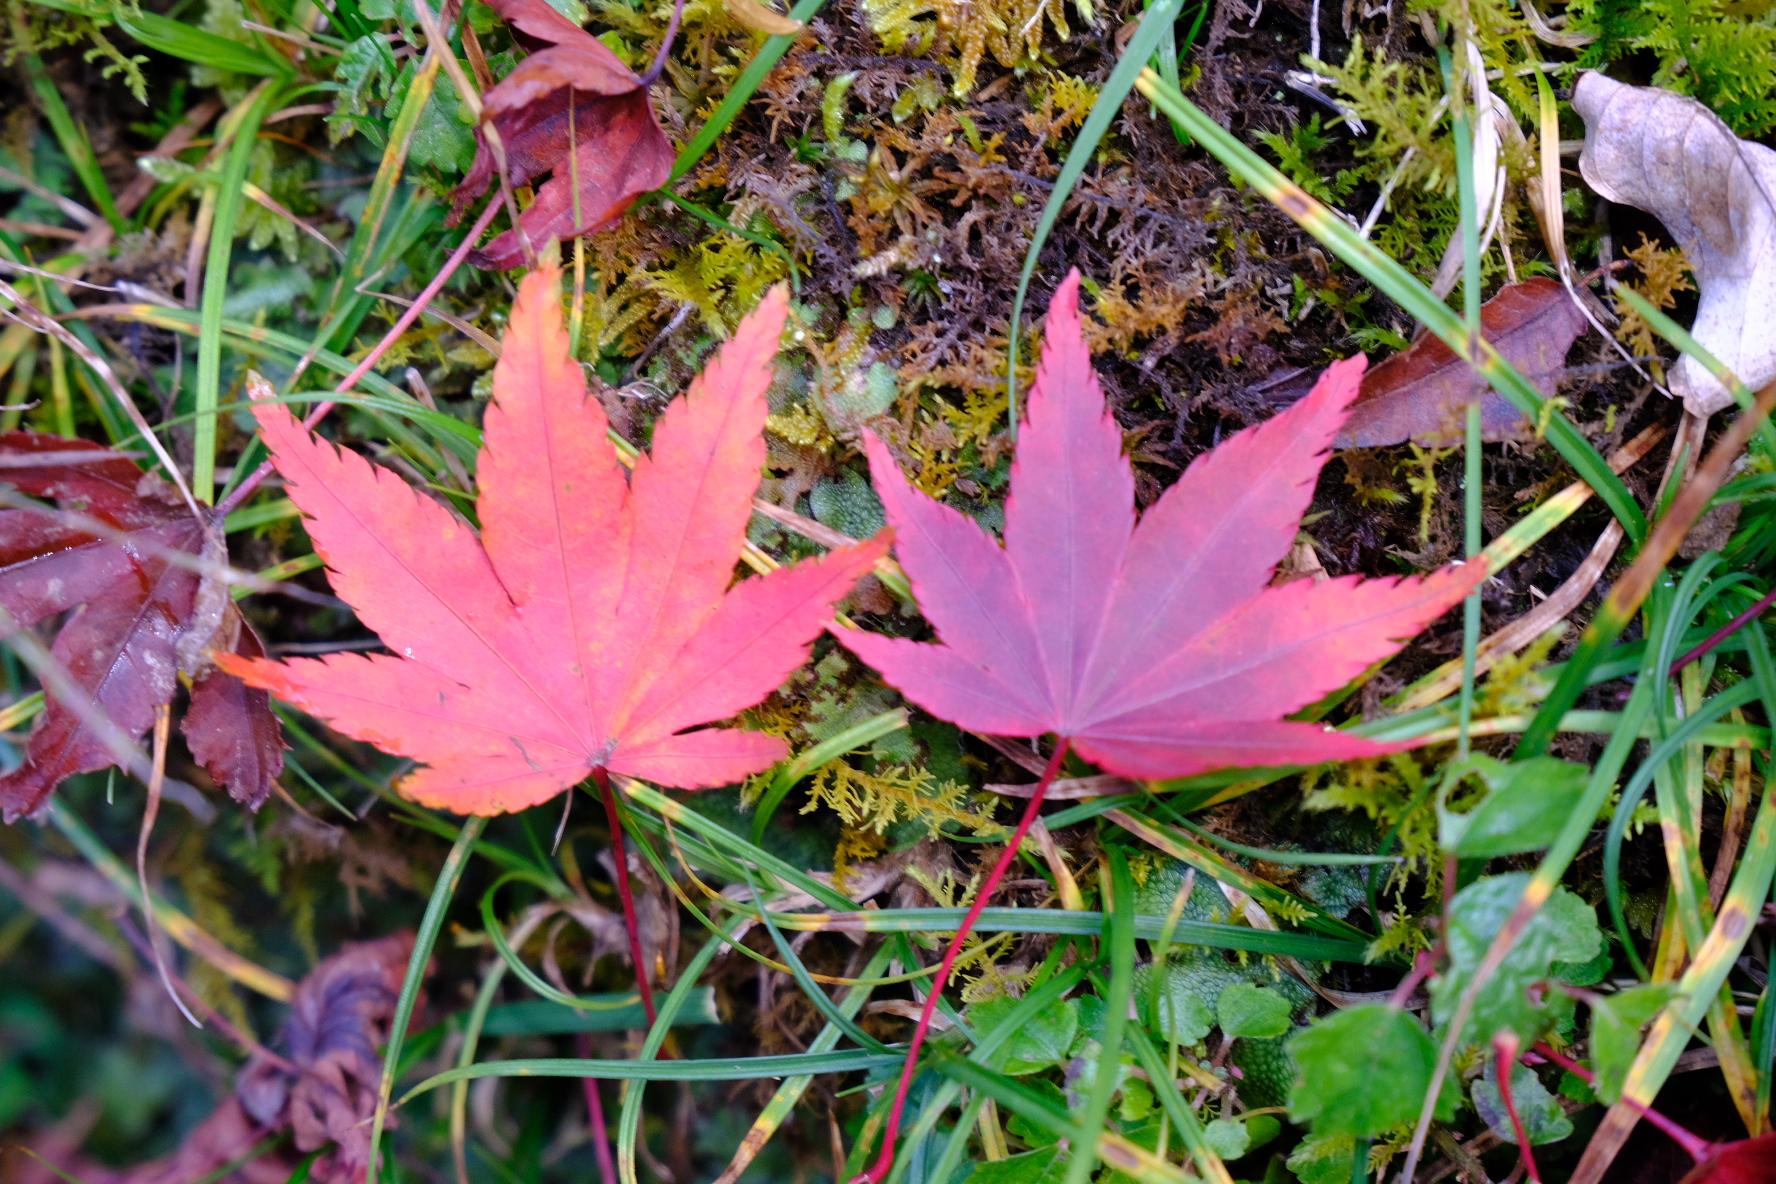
(573, 110)
(126, 556)
(1673, 157)
(759, 18)
(1423, 393)
(340, 1015)
(322, 1092)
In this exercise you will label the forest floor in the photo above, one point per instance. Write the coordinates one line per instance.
(194, 192)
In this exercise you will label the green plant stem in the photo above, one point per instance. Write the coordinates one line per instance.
(891, 1132)
(430, 925)
(620, 858)
(229, 194)
(1472, 472)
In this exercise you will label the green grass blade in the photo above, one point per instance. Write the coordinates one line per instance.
(188, 42)
(711, 1069)
(629, 1118)
(1156, 24)
(73, 141)
(740, 92)
(430, 925)
(1118, 994)
(1112, 1149)
(1080, 923)
(782, 1103)
(245, 133)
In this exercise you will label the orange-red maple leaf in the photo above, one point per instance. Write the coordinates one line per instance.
(591, 626)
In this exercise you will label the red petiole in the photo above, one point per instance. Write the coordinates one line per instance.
(620, 857)
(885, 1161)
(1695, 1145)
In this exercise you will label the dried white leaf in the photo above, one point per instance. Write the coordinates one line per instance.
(1674, 158)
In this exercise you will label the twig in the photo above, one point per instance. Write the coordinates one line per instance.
(245, 489)
(162, 726)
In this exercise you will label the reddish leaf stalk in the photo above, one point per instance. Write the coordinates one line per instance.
(665, 44)
(1693, 1144)
(1725, 631)
(1423, 966)
(246, 488)
(1506, 1050)
(620, 857)
(601, 1146)
(890, 1134)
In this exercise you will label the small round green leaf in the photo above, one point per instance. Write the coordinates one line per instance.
(1246, 1009)
(1341, 1086)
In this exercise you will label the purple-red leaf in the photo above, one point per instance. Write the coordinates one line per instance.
(1155, 648)
(595, 619)
(570, 109)
(319, 1095)
(126, 553)
(1747, 1161)
(1423, 393)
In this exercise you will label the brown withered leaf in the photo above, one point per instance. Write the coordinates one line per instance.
(1672, 157)
(323, 1093)
(573, 110)
(1422, 394)
(341, 1013)
(121, 557)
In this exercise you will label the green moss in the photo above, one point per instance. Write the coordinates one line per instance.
(1265, 1071)
(1719, 52)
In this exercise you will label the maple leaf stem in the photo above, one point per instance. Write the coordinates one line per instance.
(601, 1146)
(1725, 631)
(665, 45)
(620, 857)
(240, 493)
(879, 1172)
(1694, 1145)
(1505, 1048)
